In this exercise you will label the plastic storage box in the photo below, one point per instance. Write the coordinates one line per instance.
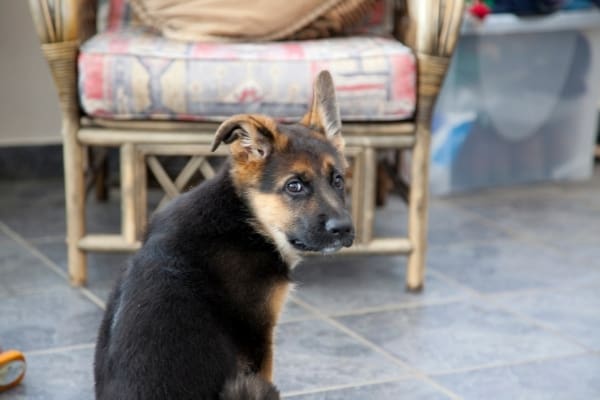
(520, 102)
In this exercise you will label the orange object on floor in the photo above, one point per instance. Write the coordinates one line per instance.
(12, 369)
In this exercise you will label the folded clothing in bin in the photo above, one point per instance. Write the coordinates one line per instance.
(535, 7)
(519, 103)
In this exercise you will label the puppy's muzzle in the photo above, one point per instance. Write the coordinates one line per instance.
(341, 229)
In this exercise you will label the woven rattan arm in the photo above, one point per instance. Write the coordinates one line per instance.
(61, 25)
(431, 29)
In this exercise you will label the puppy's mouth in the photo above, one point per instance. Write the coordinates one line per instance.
(325, 248)
(299, 245)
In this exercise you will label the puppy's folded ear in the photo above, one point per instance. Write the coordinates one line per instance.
(248, 136)
(324, 113)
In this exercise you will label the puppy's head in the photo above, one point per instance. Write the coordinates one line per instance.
(292, 175)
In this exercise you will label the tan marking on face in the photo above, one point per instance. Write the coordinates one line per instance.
(303, 167)
(327, 163)
(273, 219)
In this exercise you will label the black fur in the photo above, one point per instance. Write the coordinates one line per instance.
(187, 314)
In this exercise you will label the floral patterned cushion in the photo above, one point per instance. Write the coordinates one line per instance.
(132, 73)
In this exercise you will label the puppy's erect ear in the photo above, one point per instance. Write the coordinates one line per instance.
(249, 136)
(324, 112)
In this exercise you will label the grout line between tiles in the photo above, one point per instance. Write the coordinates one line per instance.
(27, 291)
(489, 222)
(396, 307)
(512, 232)
(49, 264)
(93, 297)
(298, 319)
(546, 289)
(50, 239)
(536, 290)
(310, 316)
(62, 349)
(24, 243)
(509, 364)
(540, 324)
(340, 387)
(454, 282)
(361, 339)
(487, 299)
(584, 351)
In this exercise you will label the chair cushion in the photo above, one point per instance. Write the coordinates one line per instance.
(136, 74)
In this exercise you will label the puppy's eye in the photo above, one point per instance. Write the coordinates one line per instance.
(294, 186)
(338, 181)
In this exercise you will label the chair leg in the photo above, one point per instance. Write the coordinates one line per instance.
(75, 202)
(418, 210)
(368, 189)
(129, 218)
(141, 191)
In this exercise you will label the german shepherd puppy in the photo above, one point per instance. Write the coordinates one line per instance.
(192, 316)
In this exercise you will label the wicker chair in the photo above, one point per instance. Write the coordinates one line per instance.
(429, 27)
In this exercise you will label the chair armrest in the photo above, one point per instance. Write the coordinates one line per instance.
(61, 26)
(63, 20)
(431, 28)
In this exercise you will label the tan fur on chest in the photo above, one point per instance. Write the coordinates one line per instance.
(277, 299)
(275, 302)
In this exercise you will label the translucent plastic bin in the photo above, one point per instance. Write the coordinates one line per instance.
(519, 104)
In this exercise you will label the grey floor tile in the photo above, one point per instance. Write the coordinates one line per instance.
(20, 270)
(49, 319)
(36, 209)
(293, 312)
(341, 284)
(583, 250)
(102, 290)
(313, 354)
(507, 265)
(101, 266)
(412, 389)
(4, 238)
(454, 336)
(392, 219)
(540, 212)
(33, 208)
(575, 312)
(573, 378)
(58, 376)
(447, 224)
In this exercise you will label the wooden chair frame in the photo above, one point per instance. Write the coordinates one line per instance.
(429, 27)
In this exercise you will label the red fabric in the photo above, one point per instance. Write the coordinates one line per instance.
(479, 10)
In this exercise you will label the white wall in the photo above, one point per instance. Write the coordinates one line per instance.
(29, 111)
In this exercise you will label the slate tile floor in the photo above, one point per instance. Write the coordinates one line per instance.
(511, 308)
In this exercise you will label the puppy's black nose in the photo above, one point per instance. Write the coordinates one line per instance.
(339, 226)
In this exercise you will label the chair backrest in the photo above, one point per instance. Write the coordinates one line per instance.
(117, 14)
